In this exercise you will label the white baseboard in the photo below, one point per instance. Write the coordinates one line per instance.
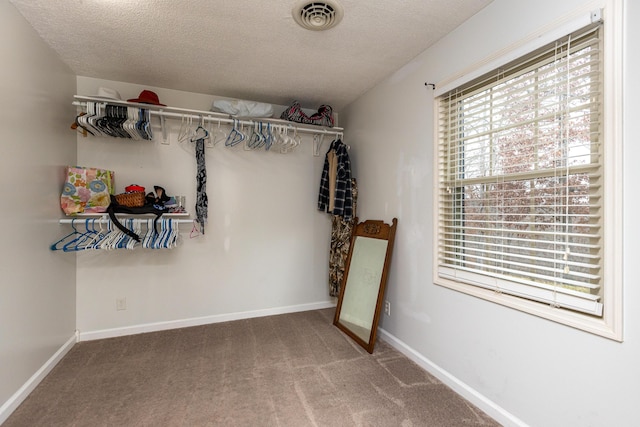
(197, 321)
(19, 396)
(488, 406)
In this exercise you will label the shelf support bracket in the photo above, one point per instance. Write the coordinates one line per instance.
(164, 129)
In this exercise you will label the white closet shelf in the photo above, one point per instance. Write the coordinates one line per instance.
(178, 113)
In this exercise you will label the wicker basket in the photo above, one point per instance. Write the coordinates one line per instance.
(132, 200)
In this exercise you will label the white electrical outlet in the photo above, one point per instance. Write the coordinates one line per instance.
(121, 304)
(387, 308)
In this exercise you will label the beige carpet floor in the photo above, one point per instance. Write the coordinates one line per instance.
(286, 370)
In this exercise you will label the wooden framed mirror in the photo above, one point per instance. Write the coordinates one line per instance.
(364, 281)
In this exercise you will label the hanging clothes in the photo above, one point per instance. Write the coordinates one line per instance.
(202, 201)
(336, 193)
(341, 230)
(333, 174)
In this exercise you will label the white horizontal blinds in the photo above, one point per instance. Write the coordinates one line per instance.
(520, 177)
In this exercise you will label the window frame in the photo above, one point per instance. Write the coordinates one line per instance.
(610, 324)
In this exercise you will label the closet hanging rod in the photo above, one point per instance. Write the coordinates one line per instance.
(179, 113)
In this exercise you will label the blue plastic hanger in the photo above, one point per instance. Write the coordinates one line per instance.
(72, 235)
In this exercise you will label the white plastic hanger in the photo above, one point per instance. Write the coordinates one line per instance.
(185, 128)
(201, 132)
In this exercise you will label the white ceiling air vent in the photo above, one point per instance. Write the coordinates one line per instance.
(317, 15)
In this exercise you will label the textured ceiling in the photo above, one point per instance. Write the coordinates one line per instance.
(246, 49)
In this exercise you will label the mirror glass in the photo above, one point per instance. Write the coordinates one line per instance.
(364, 281)
(361, 289)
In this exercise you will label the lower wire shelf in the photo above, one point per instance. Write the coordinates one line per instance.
(128, 231)
(180, 218)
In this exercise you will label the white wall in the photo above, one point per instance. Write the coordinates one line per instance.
(37, 286)
(265, 249)
(539, 372)
(266, 245)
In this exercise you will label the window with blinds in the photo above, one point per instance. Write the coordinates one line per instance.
(520, 197)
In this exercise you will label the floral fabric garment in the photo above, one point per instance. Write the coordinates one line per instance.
(341, 230)
(86, 190)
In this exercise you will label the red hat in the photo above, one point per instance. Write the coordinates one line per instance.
(134, 188)
(147, 97)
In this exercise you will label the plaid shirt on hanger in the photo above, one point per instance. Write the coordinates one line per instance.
(343, 195)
